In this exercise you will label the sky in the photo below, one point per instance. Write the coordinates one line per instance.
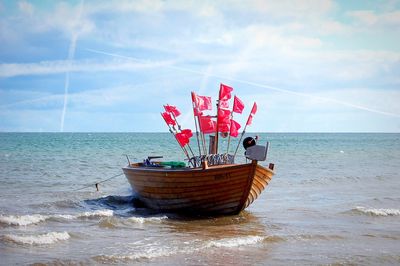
(110, 66)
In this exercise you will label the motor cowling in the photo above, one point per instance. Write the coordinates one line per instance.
(248, 142)
(254, 151)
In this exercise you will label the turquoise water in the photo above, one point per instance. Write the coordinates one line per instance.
(334, 200)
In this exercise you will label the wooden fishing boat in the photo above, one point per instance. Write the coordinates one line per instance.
(215, 190)
(211, 183)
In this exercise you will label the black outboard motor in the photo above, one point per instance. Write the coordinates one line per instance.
(248, 142)
(254, 151)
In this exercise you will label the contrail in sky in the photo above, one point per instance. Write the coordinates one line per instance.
(360, 107)
(71, 54)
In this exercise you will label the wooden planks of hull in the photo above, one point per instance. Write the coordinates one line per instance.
(225, 189)
(262, 177)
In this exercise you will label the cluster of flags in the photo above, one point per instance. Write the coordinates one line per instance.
(222, 123)
(182, 135)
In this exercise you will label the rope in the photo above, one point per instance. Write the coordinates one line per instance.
(97, 184)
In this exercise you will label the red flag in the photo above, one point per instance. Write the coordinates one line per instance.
(224, 116)
(203, 102)
(234, 130)
(249, 120)
(253, 112)
(182, 138)
(207, 125)
(224, 104)
(254, 109)
(224, 120)
(187, 132)
(223, 127)
(238, 105)
(225, 92)
(197, 112)
(168, 119)
(172, 109)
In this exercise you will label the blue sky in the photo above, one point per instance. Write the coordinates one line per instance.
(311, 65)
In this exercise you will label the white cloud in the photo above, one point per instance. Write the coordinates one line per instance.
(361, 109)
(26, 8)
(29, 120)
(300, 46)
(62, 66)
(63, 17)
(372, 18)
(287, 8)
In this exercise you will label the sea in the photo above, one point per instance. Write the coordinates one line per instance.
(334, 200)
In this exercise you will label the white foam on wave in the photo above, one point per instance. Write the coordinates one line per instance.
(24, 220)
(42, 239)
(235, 242)
(378, 212)
(142, 220)
(151, 253)
(98, 213)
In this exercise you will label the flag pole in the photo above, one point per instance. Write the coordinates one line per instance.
(204, 143)
(229, 138)
(216, 133)
(241, 136)
(179, 127)
(182, 147)
(244, 129)
(196, 110)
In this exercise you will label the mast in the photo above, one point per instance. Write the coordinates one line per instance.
(196, 113)
(217, 127)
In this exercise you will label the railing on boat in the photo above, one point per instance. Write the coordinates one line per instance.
(212, 159)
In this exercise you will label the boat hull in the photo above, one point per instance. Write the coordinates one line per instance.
(217, 190)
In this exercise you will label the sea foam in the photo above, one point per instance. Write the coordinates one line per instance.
(235, 242)
(142, 220)
(97, 213)
(41, 239)
(151, 253)
(377, 212)
(23, 220)
(192, 247)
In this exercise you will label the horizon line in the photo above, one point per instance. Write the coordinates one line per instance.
(253, 132)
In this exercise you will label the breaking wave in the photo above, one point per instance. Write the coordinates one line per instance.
(23, 220)
(98, 213)
(235, 242)
(376, 212)
(142, 220)
(156, 251)
(151, 253)
(42, 239)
